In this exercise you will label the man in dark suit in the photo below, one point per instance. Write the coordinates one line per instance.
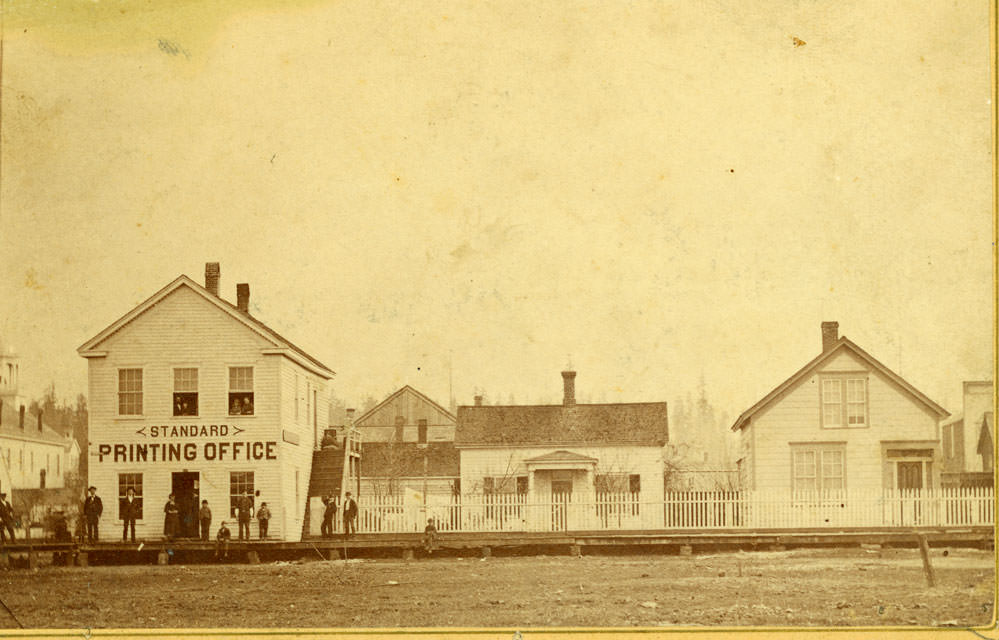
(129, 511)
(244, 511)
(6, 518)
(92, 510)
(349, 515)
(328, 514)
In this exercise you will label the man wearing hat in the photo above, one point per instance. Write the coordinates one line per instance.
(6, 518)
(92, 510)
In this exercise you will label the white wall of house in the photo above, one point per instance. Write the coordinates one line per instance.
(186, 331)
(26, 458)
(892, 415)
(646, 461)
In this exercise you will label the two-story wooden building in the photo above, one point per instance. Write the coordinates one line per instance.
(192, 395)
(843, 421)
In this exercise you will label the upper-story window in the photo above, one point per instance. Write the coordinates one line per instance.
(241, 391)
(185, 392)
(421, 431)
(130, 392)
(844, 402)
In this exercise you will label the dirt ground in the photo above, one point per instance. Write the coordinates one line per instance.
(820, 587)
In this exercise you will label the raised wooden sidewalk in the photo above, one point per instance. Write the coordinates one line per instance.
(407, 545)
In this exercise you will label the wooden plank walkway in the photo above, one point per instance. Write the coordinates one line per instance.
(574, 541)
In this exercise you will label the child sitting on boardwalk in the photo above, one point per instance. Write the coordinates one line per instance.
(430, 536)
(222, 542)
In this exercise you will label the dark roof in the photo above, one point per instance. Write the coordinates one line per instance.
(645, 423)
(405, 459)
(10, 422)
(228, 306)
(803, 372)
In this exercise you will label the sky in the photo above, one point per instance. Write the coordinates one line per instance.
(478, 195)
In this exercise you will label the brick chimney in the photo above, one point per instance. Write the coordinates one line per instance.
(243, 297)
(40, 421)
(20, 417)
(478, 401)
(569, 388)
(212, 275)
(830, 335)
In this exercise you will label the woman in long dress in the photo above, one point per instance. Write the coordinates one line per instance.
(171, 518)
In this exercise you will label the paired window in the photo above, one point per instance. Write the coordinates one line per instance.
(844, 402)
(240, 485)
(421, 431)
(128, 481)
(241, 391)
(506, 484)
(130, 392)
(400, 423)
(618, 482)
(818, 468)
(185, 392)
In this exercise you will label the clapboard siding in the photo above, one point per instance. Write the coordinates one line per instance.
(184, 329)
(507, 462)
(893, 414)
(25, 459)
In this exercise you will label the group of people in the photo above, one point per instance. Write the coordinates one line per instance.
(131, 508)
(349, 515)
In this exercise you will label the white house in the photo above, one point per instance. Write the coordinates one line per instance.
(842, 421)
(32, 454)
(548, 452)
(192, 395)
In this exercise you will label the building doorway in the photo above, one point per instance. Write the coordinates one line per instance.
(910, 475)
(561, 497)
(185, 489)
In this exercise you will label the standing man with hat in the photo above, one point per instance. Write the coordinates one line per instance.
(6, 517)
(349, 516)
(92, 510)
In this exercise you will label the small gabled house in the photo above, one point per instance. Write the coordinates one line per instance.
(843, 421)
(543, 452)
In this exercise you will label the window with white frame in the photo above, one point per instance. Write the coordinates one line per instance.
(241, 391)
(131, 481)
(240, 485)
(844, 402)
(185, 391)
(130, 392)
(818, 468)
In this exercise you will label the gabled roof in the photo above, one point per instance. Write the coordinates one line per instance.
(644, 423)
(388, 400)
(89, 348)
(822, 358)
(9, 428)
(561, 456)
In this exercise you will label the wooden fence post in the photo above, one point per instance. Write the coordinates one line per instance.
(924, 550)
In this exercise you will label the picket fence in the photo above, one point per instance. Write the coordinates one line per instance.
(701, 510)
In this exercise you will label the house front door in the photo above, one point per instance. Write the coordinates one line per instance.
(561, 497)
(910, 475)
